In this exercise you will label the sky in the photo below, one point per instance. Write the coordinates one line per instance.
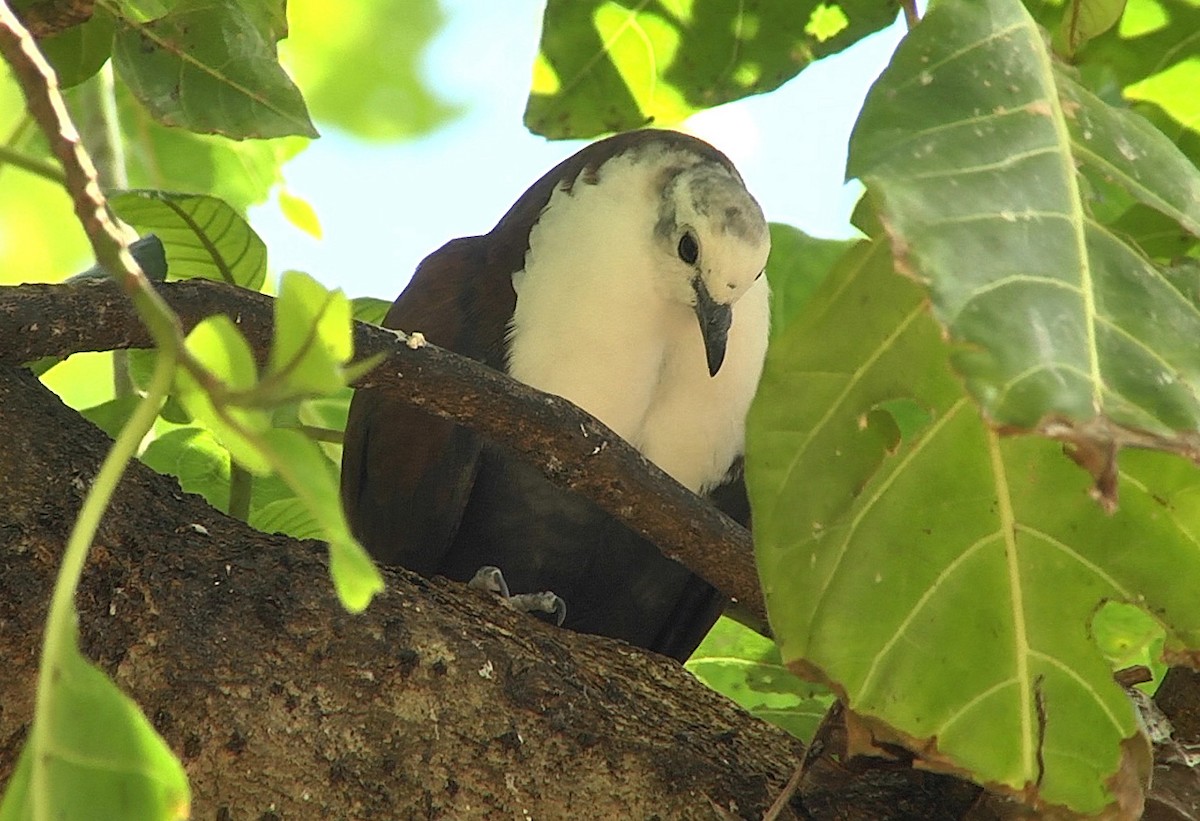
(384, 207)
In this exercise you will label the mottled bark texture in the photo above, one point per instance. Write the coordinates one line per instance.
(434, 703)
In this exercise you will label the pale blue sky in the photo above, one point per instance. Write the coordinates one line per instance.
(384, 207)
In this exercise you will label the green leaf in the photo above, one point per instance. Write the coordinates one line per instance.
(1152, 57)
(100, 757)
(746, 668)
(194, 457)
(609, 65)
(200, 463)
(312, 336)
(1062, 326)
(366, 75)
(289, 516)
(797, 265)
(328, 413)
(300, 213)
(211, 66)
(1084, 19)
(370, 309)
(80, 51)
(941, 578)
(217, 344)
(204, 238)
(313, 478)
(173, 159)
(111, 416)
(1129, 636)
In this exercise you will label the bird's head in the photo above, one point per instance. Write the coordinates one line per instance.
(713, 244)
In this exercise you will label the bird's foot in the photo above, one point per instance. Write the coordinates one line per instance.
(489, 579)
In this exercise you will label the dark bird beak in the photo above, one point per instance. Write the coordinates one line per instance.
(715, 320)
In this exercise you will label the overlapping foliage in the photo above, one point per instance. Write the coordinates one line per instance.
(927, 550)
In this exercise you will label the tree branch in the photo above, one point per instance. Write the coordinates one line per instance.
(435, 702)
(570, 446)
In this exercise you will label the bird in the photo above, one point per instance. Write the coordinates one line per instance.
(628, 280)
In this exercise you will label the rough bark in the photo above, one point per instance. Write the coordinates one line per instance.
(569, 445)
(434, 703)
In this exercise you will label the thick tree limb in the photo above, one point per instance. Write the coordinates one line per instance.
(570, 446)
(434, 703)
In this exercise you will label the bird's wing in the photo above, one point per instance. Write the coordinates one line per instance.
(406, 475)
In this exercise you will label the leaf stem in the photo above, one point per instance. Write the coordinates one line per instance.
(62, 621)
(34, 165)
(911, 17)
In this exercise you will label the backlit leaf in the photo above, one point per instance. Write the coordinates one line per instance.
(203, 237)
(610, 65)
(100, 757)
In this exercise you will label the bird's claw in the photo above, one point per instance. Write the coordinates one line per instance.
(544, 602)
(489, 579)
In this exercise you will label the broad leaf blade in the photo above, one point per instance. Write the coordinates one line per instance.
(1063, 327)
(312, 336)
(203, 237)
(211, 66)
(940, 578)
(217, 344)
(608, 65)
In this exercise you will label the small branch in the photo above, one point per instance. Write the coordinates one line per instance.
(911, 18)
(570, 446)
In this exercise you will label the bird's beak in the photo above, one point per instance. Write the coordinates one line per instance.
(715, 320)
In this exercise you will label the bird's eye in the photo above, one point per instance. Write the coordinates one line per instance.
(760, 273)
(689, 251)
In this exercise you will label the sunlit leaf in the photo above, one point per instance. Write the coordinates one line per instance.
(313, 478)
(1063, 326)
(241, 173)
(111, 416)
(745, 667)
(100, 758)
(217, 344)
(609, 65)
(941, 577)
(370, 309)
(288, 516)
(312, 335)
(200, 463)
(211, 66)
(203, 237)
(300, 213)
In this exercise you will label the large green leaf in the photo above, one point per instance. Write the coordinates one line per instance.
(203, 237)
(940, 578)
(971, 143)
(608, 65)
(211, 66)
